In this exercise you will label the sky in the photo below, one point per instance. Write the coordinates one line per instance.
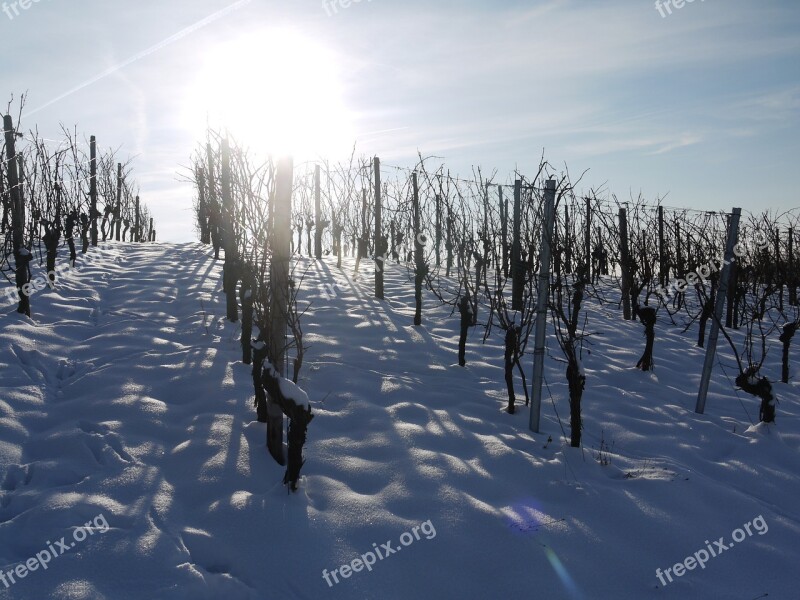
(697, 103)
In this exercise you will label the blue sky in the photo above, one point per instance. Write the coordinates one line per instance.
(700, 105)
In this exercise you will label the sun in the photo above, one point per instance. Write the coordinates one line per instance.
(276, 91)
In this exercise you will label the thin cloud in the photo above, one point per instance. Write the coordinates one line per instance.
(144, 53)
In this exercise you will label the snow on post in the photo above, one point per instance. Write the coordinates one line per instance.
(295, 404)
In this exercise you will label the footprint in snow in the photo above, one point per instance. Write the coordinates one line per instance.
(17, 475)
(106, 448)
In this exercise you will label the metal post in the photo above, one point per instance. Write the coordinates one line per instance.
(118, 209)
(438, 228)
(711, 348)
(662, 257)
(93, 188)
(542, 295)
(317, 217)
(379, 262)
(503, 229)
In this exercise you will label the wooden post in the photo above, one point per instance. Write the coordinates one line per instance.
(363, 246)
(228, 241)
(378, 229)
(150, 236)
(21, 185)
(418, 258)
(280, 264)
(17, 197)
(555, 243)
(449, 243)
(626, 264)
(205, 213)
(317, 217)
(463, 255)
(778, 270)
(679, 258)
(485, 224)
(486, 212)
(229, 270)
(567, 241)
(279, 297)
(136, 237)
(118, 210)
(792, 278)
(733, 279)
(213, 203)
(22, 256)
(587, 238)
(359, 240)
(93, 213)
(517, 270)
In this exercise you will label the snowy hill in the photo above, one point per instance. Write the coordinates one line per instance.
(127, 434)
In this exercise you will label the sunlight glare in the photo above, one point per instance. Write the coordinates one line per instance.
(275, 91)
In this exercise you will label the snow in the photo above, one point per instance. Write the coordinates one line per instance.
(291, 391)
(125, 397)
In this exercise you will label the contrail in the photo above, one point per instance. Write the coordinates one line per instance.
(162, 44)
(379, 131)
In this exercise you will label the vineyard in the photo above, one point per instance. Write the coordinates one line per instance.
(474, 366)
(505, 256)
(55, 193)
(374, 300)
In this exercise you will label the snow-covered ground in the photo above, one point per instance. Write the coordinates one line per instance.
(124, 405)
